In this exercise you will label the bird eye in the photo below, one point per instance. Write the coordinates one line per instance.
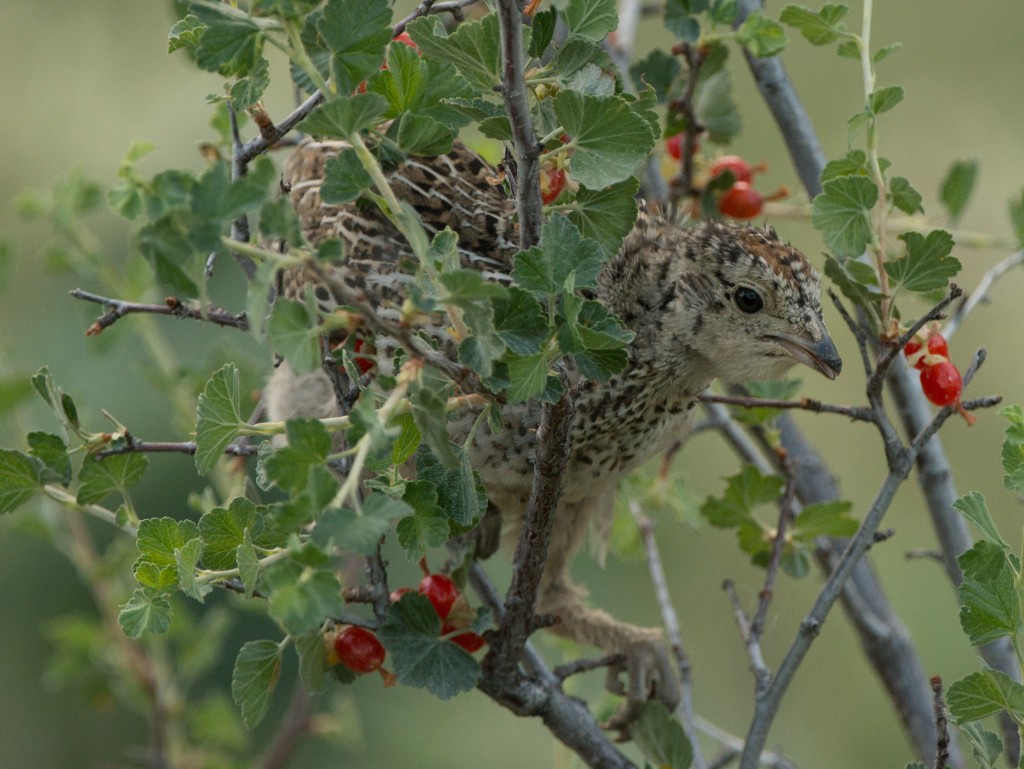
(748, 300)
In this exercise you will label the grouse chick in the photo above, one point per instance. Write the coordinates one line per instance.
(711, 301)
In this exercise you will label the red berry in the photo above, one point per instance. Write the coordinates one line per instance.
(404, 38)
(674, 146)
(469, 640)
(736, 165)
(363, 362)
(552, 182)
(741, 201)
(941, 383)
(937, 348)
(359, 650)
(441, 591)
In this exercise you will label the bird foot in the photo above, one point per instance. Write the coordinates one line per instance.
(649, 675)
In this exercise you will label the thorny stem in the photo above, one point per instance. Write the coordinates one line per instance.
(171, 306)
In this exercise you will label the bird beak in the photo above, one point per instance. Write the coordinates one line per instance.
(821, 355)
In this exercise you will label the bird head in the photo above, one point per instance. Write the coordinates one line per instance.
(754, 305)
(720, 301)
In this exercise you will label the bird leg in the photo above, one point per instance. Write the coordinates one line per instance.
(643, 654)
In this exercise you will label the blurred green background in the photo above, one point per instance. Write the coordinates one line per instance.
(82, 80)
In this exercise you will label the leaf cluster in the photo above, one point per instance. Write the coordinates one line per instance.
(991, 606)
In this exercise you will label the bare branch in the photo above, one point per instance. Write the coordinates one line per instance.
(752, 643)
(972, 300)
(671, 623)
(941, 726)
(171, 306)
(787, 513)
(856, 413)
(453, 7)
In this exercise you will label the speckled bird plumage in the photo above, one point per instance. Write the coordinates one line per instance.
(674, 286)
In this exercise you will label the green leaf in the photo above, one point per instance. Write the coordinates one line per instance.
(248, 563)
(428, 526)
(278, 220)
(257, 668)
(460, 492)
(586, 67)
(761, 36)
(680, 21)
(716, 110)
(473, 48)
(1013, 449)
(825, 519)
(884, 99)
(185, 34)
(428, 400)
(345, 117)
(300, 597)
(985, 745)
(990, 610)
(610, 139)
(545, 270)
(423, 135)
(743, 492)
(420, 657)
(293, 332)
(528, 376)
(542, 31)
(224, 529)
(164, 244)
(186, 559)
(520, 321)
(856, 279)
(973, 506)
(354, 532)
(146, 611)
(313, 665)
(842, 213)
(957, 186)
(606, 216)
(982, 694)
(249, 90)
(819, 27)
(1016, 209)
(308, 446)
(356, 34)
(927, 265)
(152, 575)
(219, 416)
(591, 20)
(345, 178)
(407, 441)
(904, 196)
(231, 42)
(661, 738)
(21, 476)
(158, 538)
(854, 162)
(99, 478)
(984, 561)
(658, 70)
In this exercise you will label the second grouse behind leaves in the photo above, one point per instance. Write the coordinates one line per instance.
(711, 301)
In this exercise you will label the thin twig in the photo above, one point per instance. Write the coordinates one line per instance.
(294, 726)
(972, 300)
(171, 306)
(453, 7)
(856, 413)
(786, 515)
(135, 446)
(671, 622)
(752, 643)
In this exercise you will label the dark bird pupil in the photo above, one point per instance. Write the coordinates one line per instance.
(748, 300)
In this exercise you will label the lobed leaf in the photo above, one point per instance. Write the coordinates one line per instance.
(356, 34)
(21, 476)
(99, 478)
(842, 213)
(983, 694)
(1013, 449)
(819, 27)
(927, 265)
(147, 611)
(420, 657)
(990, 610)
(661, 738)
(957, 186)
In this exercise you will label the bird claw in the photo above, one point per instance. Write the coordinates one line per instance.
(650, 676)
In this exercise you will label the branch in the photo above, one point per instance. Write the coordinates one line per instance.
(671, 623)
(525, 148)
(454, 7)
(972, 300)
(294, 726)
(856, 413)
(171, 306)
